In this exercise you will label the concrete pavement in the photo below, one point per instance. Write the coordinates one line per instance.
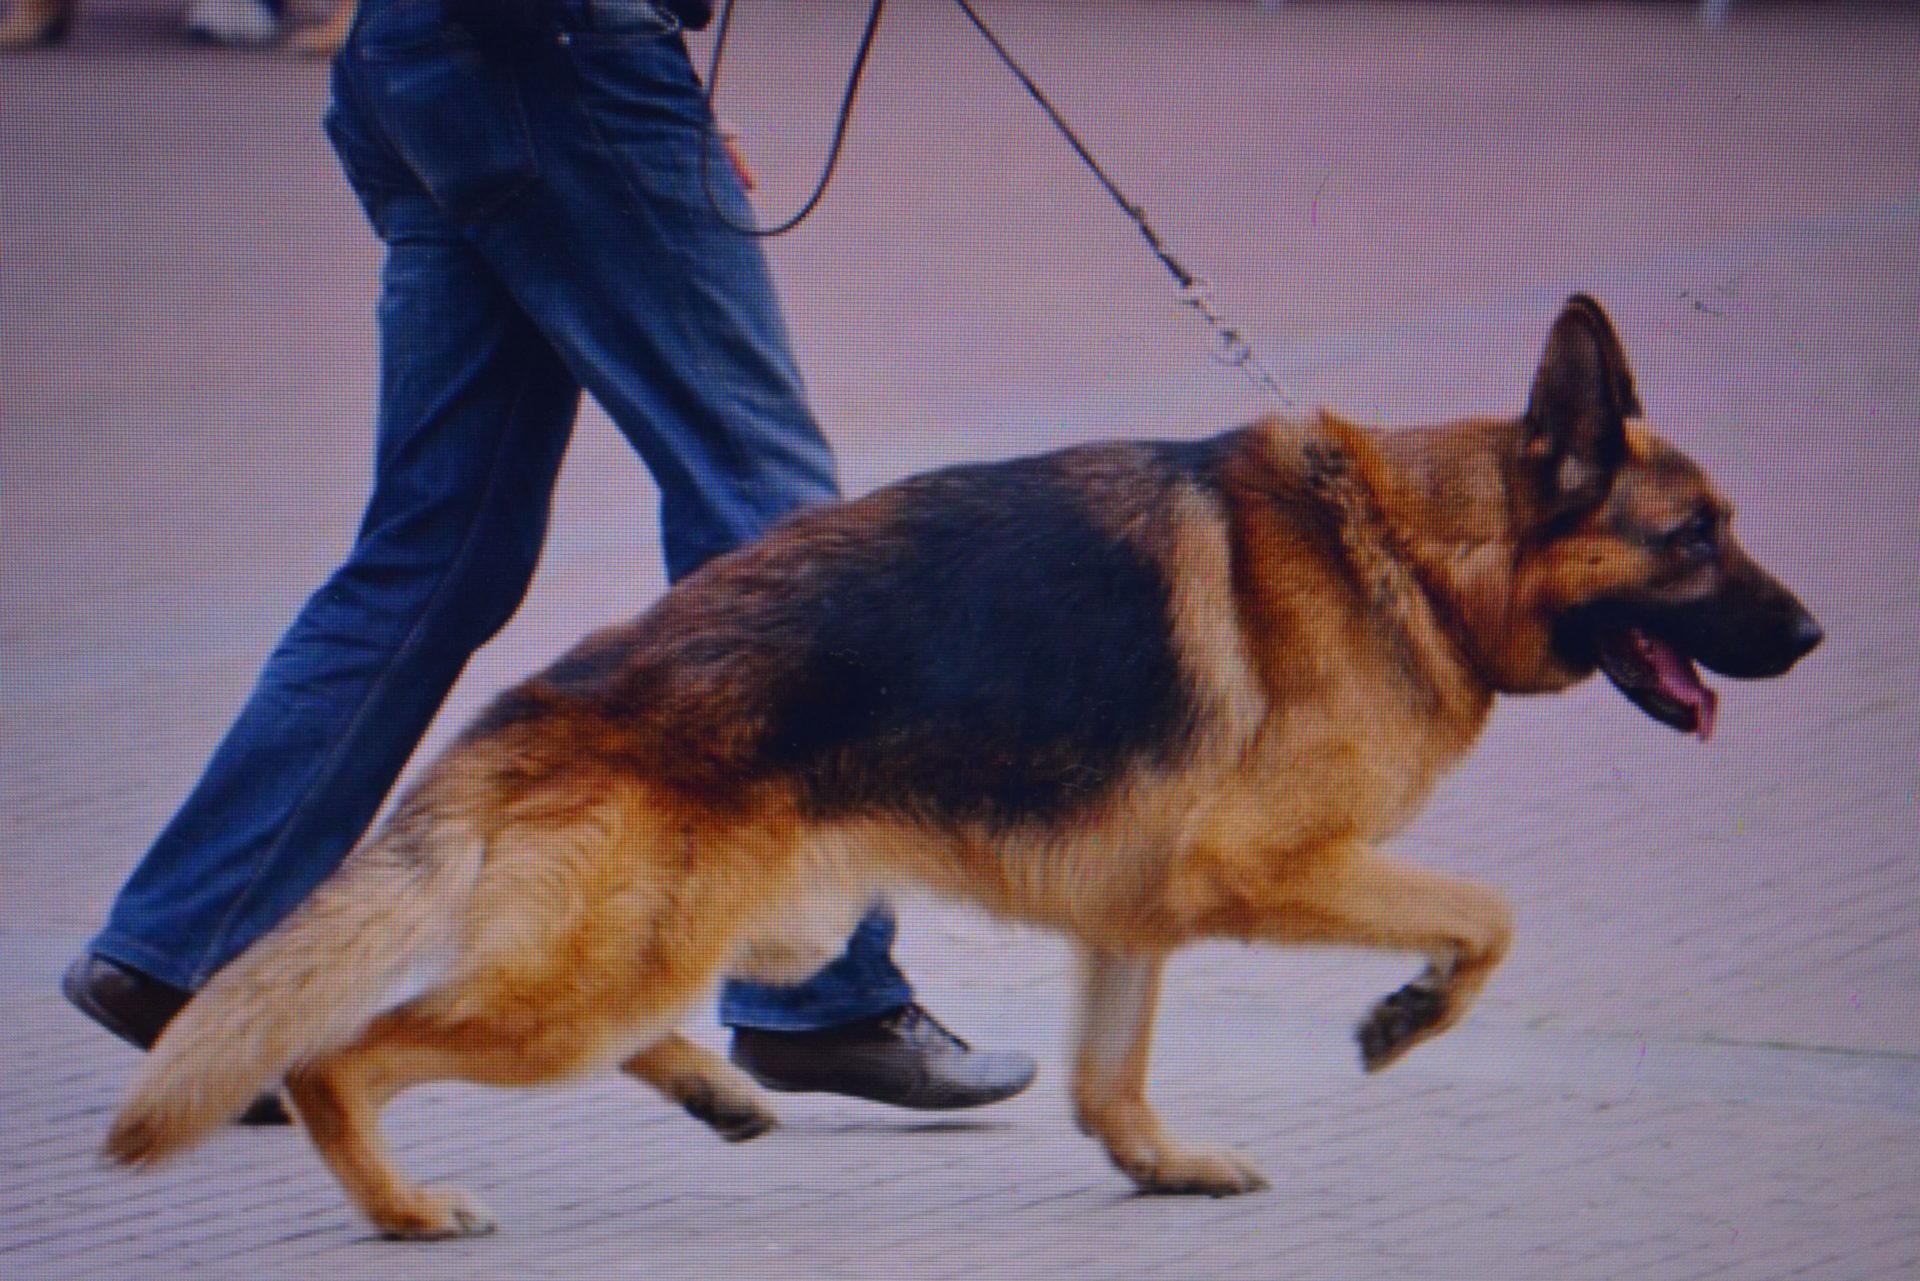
(1702, 1059)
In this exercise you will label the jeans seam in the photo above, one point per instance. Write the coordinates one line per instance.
(682, 261)
(330, 766)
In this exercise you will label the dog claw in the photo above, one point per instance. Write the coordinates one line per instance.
(1204, 1172)
(1396, 1023)
(734, 1119)
(439, 1215)
(736, 1125)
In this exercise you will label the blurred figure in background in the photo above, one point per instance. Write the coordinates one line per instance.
(233, 24)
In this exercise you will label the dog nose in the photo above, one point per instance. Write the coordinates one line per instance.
(1807, 633)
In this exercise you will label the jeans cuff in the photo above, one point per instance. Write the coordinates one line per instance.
(122, 949)
(782, 1009)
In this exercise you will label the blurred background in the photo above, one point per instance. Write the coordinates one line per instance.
(1703, 1057)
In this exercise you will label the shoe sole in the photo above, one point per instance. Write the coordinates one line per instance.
(915, 1101)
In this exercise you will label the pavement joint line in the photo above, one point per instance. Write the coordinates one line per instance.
(1713, 1039)
(1337, 350)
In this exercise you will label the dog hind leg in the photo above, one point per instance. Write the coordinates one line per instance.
(488, 1028)
(711, 1089)
(338, 1098)
(1118, 997)
(594, 922)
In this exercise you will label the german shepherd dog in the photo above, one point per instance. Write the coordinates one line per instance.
(1140, 694)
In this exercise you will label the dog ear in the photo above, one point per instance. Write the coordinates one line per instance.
(1576, 415)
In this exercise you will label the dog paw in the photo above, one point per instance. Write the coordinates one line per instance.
(735, 1118)
(1400, 1022)
(1192, 1172)
(435, 1214)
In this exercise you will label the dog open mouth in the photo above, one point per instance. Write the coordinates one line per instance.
(1660, 680)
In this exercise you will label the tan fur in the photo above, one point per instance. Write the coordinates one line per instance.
(1344, 606)
(326, 38)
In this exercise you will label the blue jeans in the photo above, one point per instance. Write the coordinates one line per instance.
(547, 230)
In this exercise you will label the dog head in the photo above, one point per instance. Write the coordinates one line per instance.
(1625, 559)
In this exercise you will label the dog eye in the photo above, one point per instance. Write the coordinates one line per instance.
(1698, 535)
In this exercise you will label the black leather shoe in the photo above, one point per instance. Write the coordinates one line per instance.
(904, 1058)
(136, 1008)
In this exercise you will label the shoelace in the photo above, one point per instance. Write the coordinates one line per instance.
(910, 1018)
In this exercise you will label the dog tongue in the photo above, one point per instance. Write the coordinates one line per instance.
(1675, 677)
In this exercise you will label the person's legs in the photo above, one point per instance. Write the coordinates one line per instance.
(475, 413)
(671, 321)
(475, 407)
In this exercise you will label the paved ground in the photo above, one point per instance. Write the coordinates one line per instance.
(1704, 1056)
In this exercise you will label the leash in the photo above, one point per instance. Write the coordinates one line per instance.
(1227, 342)
(847, 97)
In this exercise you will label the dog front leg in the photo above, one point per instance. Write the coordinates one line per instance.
(1359, 899)
(1118, 997)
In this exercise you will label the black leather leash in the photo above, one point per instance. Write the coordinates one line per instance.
(839, 125)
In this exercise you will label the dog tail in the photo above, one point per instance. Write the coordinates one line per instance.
(309, 986)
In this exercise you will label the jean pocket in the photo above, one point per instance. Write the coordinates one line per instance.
(454, 114)
(628, 19)
(390, 29)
